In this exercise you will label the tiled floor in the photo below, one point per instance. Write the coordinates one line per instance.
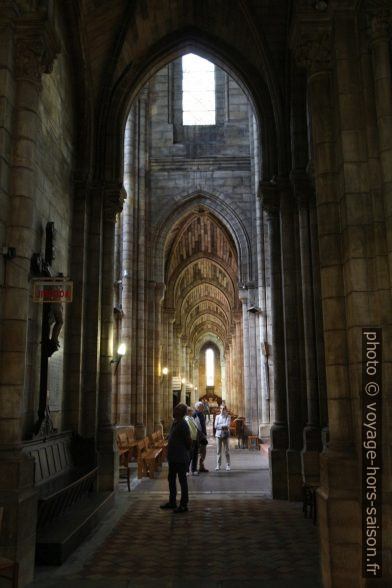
(233, 535)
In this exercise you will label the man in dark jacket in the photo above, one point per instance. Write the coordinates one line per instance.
(178, 456)
(201, 447)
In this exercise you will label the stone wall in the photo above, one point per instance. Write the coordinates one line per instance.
(211, 159)
(53, 203)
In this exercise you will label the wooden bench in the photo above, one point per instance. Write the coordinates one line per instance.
(62, 474)
(158, 441)
(65, 477)
(149, 459)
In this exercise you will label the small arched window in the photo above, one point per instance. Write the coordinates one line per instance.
(198, 91)
(210, 365)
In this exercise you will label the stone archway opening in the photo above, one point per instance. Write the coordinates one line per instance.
(189, 250)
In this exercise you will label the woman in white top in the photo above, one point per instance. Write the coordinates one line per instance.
(222, 428)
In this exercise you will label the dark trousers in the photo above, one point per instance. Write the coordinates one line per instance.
(194, 455)
(179, 469)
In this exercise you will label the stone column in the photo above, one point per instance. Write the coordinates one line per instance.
(250, 316)
(279, 430)
(27, 50)
(150, 417)
(113, 197)
(338, 504)
(244, 296)
(127, 391)
(74, 343)
(379, 19)
(160, 338)
(312, 432)
(171, 366)
(238, 375)
(292, 335)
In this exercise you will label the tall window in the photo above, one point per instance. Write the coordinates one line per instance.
(210, 359)
(198, 91)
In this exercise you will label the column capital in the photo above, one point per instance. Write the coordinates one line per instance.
(9, 11)
(379, 19)
(310, 37)
(36, 47)
(114, 195)
(269, 197)
(313, 51)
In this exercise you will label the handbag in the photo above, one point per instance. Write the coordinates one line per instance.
(225, 434)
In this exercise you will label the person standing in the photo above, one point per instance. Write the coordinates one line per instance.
(222, 433)
(178, 455)
(200, 421)
(206, 407)
(194, 436)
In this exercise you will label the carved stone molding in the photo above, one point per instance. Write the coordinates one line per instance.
(313, 51)
(8, 13)
(114, 195)
(36, 48)
(379, 19)
(269, 196)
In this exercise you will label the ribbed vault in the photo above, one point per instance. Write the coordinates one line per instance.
(201, 279)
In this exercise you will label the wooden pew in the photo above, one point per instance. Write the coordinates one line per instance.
(158, 440)
(149, 459)
(68, 501)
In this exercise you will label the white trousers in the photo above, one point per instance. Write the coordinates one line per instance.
(222, 442)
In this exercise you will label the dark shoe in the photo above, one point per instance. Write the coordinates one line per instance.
(203, 470)
(181, 509)
(167, 506)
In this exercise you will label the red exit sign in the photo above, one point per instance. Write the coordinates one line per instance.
(52, 290)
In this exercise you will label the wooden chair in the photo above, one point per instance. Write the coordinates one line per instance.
(253, 442)
(8, 565)
(149, 459)
(124, 453)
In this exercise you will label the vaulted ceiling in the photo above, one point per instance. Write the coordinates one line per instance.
(201, 278)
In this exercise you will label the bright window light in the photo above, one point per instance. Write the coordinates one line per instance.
(198, 91)
(210, 367)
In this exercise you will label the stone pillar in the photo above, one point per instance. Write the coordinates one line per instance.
(244, 296)
(238, 374)
(127, 400)
(113, 196)
(74, 344)
(312, 432)
(27, 50)
(379, 19)
(279, 430)
(171, 366)
(150, 417)
(251, 358)
(292, 336)
(160, 338)
(337, 117)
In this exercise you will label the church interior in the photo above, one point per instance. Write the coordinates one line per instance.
(196, 203)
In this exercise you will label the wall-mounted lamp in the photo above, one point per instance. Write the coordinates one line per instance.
(165, 371)
(255, 309)
(121, 350)
(183, 380)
